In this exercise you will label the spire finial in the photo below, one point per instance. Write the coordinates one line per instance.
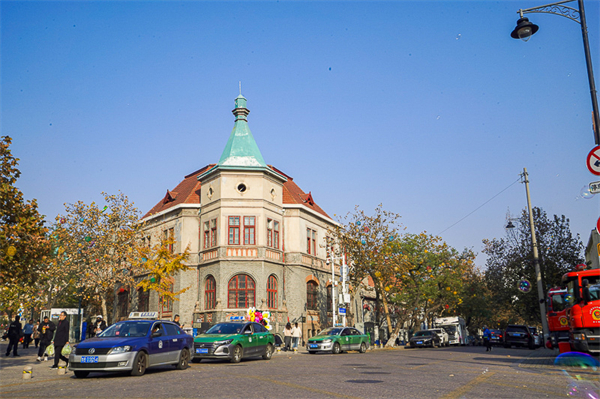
(240, 87)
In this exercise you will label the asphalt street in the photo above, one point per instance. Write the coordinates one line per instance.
(455, 372)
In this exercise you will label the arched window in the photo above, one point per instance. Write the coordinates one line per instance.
(272, 292)
(210, 293)
(143, 300)
(311, 295)
(241, 292)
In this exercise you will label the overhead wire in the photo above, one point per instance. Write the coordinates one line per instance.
(480, 206)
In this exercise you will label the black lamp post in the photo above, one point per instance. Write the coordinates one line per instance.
(525, 29)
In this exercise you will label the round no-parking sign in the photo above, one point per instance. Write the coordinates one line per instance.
(593, 161)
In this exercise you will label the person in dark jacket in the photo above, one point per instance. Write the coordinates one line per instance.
(99, 325)
(46, 330)
(61, 339)
(14, 334)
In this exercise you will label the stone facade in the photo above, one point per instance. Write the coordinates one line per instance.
(245, 220)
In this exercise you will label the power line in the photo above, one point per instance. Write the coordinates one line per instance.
(480, 206)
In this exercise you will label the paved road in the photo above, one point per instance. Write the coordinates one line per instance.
(455, 372)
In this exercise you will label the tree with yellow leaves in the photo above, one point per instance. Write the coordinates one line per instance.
(158, 265)
(23, 241)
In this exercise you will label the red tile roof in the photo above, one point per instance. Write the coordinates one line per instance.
(188, 192)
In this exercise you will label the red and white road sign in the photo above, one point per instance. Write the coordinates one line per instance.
(598, 230)
(593, 161)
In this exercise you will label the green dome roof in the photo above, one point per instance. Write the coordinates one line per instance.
(241, 149)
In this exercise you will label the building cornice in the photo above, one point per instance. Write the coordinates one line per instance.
(312, 212)
(175, 208)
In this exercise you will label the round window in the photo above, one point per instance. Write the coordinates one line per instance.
(241, 187)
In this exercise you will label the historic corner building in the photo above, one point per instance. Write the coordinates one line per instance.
(256, 240)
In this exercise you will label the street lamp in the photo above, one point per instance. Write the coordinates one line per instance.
(525, 29)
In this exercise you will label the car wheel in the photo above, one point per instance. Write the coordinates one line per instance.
(139, 364)
(336, 349)
(363, 348)
(81, 374)
(184, 359)
(268, 352)
(196, 360)
(236, 354)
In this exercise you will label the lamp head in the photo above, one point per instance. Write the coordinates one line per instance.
(524, 29)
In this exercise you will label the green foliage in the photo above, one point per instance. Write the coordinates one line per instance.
(510, 259)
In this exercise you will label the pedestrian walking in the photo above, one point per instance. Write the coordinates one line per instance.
(61, 338)
(46, 330)
(36, 334)
(487, 339)
(27, 331)
(296, 334)
(14, 334)
(287, 337)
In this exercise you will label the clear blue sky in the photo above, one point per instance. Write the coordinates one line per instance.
(430, 108)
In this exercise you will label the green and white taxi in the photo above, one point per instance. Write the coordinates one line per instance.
(234, 341)
(338, 339)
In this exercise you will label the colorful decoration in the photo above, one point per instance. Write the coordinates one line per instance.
(366, 229)
(358, 223)
(378, 274)
(447, 306)
(524, 286)
(152, 280)
(259, 317)
(144, 260)
(105, 208)
(81, 219)
(88, 239)
(63, 220)
(363, 242)
(121, 290)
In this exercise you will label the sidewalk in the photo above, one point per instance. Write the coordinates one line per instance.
(11, 368)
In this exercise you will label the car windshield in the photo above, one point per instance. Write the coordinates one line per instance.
(226, 328)
(127, 329)
(330, 331)
(437, 331)
(423, 333)
(450, 329)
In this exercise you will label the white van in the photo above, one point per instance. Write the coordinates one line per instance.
(445, 338)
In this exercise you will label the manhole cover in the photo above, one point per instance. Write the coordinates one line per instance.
(365, 381)
(375, 372)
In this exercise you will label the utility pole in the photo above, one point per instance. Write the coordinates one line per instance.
(536, 260)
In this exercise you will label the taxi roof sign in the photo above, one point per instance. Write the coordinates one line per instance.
(143, 315)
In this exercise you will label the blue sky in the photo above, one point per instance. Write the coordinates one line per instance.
(429, 108)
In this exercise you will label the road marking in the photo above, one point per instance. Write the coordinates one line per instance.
(468, 386)
(290, 385)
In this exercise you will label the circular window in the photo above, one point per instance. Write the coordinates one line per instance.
(241, 187)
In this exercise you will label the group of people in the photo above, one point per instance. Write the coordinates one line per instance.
(43, 334)
(291, 336)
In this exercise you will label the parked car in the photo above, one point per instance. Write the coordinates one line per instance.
(425, 338)
(518, 335)
(338, 339)
(132, 345)
(536, 337)
(234, 341)
(445, 338)
(497, 337)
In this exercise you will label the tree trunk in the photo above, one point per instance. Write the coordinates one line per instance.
(385, 307)
(394, 335)
(104, 308)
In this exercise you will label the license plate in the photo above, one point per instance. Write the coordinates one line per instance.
(419, 342)
(89, 359)
(202, 350)
(313, 345)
